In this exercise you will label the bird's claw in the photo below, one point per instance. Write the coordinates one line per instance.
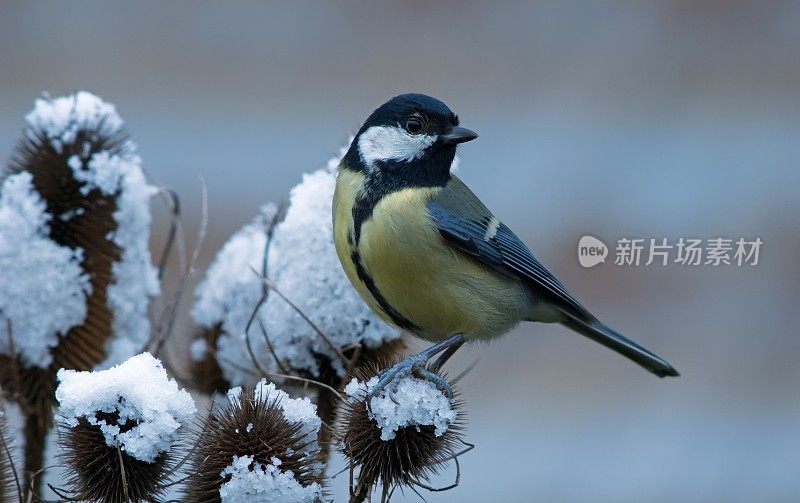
(391, 377)
(415, 366)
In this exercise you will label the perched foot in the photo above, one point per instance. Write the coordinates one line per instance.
(416, 365)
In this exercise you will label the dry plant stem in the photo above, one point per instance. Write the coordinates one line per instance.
(271, 375)
(166, 323)
(308, 320)
(174, 204)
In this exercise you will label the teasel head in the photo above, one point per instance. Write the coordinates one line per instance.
(261, 433)
(388, 444)
(120, 431)
(97, 472)
(75, 186)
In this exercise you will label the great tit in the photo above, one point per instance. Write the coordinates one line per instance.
(426, 254)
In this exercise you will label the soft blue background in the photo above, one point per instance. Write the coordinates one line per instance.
(638, 119)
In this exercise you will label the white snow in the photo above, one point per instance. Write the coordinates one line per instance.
(303, 265)
(117, 175)
(198, 350)
(253, 481)
(43, 288)
(140, 391)
(135, 277)
(415, 402)
(61, 118)
(295, 410)
(228, 294)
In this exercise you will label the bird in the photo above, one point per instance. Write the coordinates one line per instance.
(430, 258)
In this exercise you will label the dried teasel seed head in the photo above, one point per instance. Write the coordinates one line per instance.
(98, 472)
(86, 209)
(407, 437)
(118, 430)
(263, 442)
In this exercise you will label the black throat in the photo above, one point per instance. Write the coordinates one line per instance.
(385, 177)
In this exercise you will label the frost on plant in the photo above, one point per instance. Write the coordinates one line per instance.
(263, 446)
(87, 136)
(302, 265)
(296, 411)
(405, 436)
(414, 402)
(249, 480)
(43, 288)
(135, 404)
(61, 119)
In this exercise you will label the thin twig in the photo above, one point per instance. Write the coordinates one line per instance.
(174, 205)
(124, 476)
(271, 349)
(284, 376)
(466, 371)
(308, 320)
(171, 312)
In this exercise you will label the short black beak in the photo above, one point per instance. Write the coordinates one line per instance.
(458, 135)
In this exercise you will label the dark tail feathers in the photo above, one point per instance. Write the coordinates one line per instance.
(598, 332)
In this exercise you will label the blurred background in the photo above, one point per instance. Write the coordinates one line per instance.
(616, 119)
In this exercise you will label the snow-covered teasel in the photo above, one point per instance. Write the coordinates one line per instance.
(61, 119)
(302, 265)
(83, 167)
(249, 480)
(43, 288)
(263, 446)
(116, 174)
(86, 170)
(407, 433)
(229, 293)
(414, 402)
(8, 476)
(136, 406)
(295, 410)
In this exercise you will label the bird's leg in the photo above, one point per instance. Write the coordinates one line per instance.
(415, 365)
(446, 354)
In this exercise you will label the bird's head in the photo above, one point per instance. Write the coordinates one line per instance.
(411, 137)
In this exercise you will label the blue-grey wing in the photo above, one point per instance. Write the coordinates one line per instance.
(465, 223)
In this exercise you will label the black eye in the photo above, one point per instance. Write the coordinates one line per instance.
(414, 125)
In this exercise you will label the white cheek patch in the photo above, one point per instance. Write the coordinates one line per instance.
(391, 143)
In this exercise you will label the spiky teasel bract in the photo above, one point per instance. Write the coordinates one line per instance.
(410, 458)
(82, 166)
(8, 481)
(119, 429)
(97, 472)
(254, 425)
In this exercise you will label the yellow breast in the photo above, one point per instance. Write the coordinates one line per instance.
(431, 284)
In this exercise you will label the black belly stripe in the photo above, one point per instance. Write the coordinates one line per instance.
(362, 210)
(398, 319)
